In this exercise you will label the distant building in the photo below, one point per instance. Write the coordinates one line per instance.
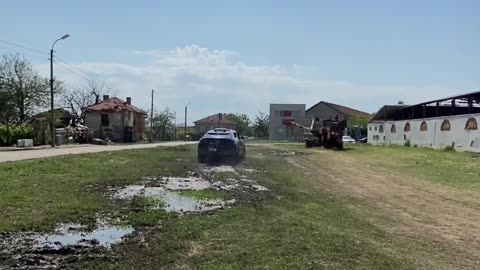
(437, 124)
(281, 117)
(213, 121)
(116, 119)
(326, 110)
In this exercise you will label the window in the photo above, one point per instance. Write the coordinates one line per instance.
(407, 127)
(105, 120)
(423, 126)
(376, 128)
(370, 128)
(445, 125)
(286, 113)
(393, 129)
(471, 124)
(380, 129)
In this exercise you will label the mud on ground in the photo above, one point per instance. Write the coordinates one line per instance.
(71, 243)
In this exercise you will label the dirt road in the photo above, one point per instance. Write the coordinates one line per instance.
(405, 206)
(6, 156)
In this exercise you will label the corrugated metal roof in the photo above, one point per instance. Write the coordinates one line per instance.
(114, 105)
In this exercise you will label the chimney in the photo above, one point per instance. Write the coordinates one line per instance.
(129, 100)
(105, 97)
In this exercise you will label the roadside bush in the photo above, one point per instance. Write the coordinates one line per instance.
(450, 148)
(9, 136)
(193, 136)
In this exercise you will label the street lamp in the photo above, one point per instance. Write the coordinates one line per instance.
(52, 114)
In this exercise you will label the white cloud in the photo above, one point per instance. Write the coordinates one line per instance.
(218, 81)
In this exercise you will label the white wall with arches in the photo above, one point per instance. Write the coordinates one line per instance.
(460, 131)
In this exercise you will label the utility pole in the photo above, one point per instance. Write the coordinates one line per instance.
(185, 129)
(52, 113)
(175, 126)
(151, 120)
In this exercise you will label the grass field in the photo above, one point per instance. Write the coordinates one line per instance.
(300, 224)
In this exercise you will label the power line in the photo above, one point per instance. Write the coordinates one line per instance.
(74, 71)
(73, 67)
(23, 47)
(23, 53)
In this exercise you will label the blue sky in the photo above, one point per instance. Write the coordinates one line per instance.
(239, 56)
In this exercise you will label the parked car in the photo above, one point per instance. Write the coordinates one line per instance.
(221, 145)
(348, 140)
(363, 140)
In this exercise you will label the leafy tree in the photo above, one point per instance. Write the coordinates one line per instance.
(23, 88)
(260, 126)
(242, 121)
(163, 125)
(400, 102)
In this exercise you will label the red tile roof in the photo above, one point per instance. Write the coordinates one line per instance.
(215, 118)
(113, 105)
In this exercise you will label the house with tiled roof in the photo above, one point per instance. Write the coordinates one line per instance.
(213, 121)
(116, 119)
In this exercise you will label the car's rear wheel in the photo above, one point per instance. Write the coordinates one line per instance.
(202, 158)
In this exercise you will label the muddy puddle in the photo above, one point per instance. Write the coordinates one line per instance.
(171, 201)
(75, 234)
(66, 245)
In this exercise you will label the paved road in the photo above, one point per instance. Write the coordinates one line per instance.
(6, 156)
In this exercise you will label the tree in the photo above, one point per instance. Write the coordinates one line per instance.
(23, 88)
(79, 98)
(242, 121)
(162, 124)
(400, 102)
(261, 124)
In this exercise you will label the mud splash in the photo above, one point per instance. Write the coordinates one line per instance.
(219, 169)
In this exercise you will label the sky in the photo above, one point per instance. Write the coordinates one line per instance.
(240, 56)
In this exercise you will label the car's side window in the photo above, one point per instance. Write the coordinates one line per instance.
(235, 134)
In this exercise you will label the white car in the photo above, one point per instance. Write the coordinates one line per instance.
(348, 140)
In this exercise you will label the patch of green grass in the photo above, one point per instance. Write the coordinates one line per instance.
(456, 169)
(206, 194)
(145, 218)
(140, 202)
(37, 194)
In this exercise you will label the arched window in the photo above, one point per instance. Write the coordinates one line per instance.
(423, 126)
(380, 129)
(407, 127)
(445, 125)
(393, 129)
(471, 124)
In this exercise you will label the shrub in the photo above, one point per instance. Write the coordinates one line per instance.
(9, 136)
(407, 143)
(450, 148)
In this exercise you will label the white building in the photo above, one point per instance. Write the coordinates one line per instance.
(281, 117)
(436, 124)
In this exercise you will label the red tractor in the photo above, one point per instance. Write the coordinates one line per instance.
(329, 134)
